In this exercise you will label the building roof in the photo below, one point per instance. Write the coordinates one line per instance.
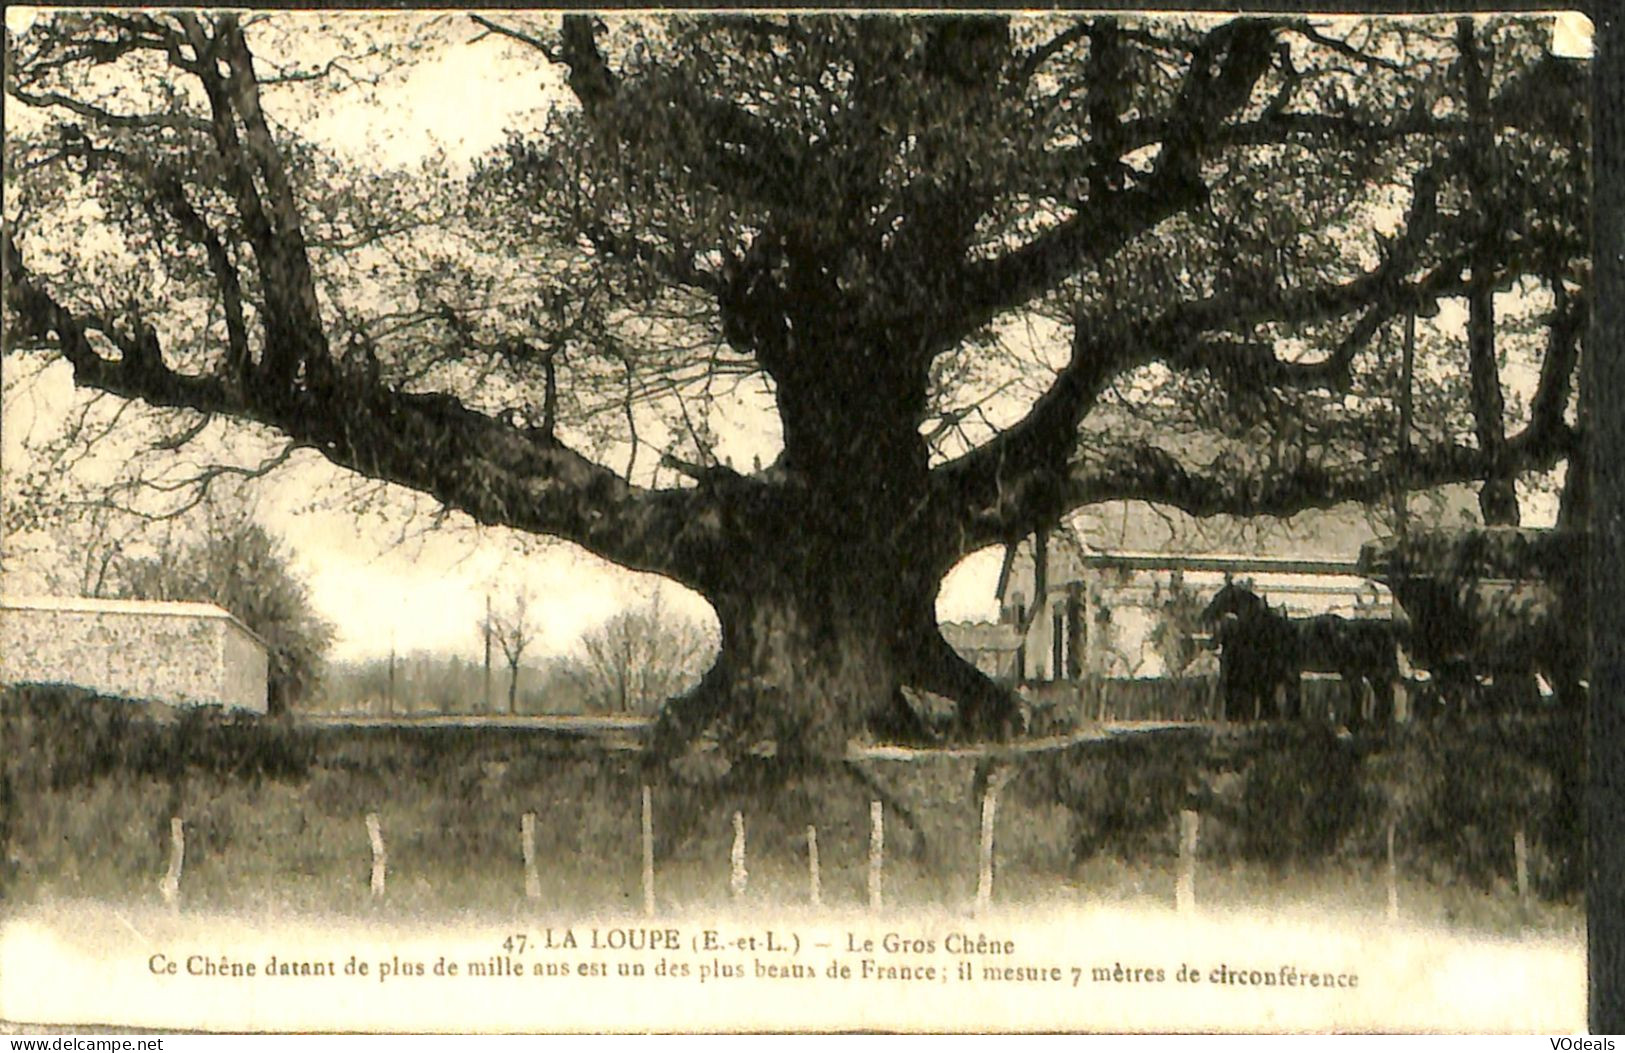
(981, 636)
(150, 608)
(1225, 562)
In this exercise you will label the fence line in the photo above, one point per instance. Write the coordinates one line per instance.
(1185, 901)
(1189, 837)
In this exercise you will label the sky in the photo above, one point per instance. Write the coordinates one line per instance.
(428, 593)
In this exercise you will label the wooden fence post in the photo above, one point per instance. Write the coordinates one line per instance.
(170, 885)
(380, 858)
(527, 837)
(814, 889)
(737, 876)
(984, 873)
(1393, 877)
(1185, 885)
(648, 854)
(877, 852)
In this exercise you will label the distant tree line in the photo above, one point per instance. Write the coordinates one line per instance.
(630, 665)
(425, 682)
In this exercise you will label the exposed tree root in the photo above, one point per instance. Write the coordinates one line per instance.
(685, 717)
(991, 772)
(986, 710)
(904, 725)
(889, 800)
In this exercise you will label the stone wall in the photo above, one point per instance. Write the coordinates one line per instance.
(176, 653)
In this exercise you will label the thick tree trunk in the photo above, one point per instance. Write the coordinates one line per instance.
(1574, 506)
(1498, 497)
(826, 591)
(811, 669)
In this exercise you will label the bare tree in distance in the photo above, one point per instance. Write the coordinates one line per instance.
(513, 626)
(980, 271)
(642, 656)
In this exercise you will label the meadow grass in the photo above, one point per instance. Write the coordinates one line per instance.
(274, 816)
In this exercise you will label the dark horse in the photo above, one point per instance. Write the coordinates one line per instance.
(1264, 651)
(1363, 652)
(1258, 654)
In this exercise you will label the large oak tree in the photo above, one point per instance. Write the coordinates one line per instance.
(984, 272)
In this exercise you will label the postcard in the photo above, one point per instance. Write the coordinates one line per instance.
(791, 520)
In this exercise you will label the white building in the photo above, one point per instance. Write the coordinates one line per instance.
(179, 654)
(1098, 613)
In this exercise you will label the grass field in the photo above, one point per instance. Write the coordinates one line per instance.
(1293, 821)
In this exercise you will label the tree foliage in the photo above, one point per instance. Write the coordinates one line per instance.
(980, 271)
(238, 566)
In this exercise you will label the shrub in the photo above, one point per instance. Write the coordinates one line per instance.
(59, 736)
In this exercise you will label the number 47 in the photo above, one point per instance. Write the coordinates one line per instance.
(514, 944)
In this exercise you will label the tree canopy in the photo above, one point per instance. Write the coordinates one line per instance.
(981, 271)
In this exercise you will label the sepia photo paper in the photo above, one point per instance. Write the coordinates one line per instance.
(762, 521)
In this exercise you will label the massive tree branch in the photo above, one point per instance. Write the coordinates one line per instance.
(171, 194)
(1145, 472)
(102, 116)
(994, 475)
(1176, 337)
(1022, 479)
(1214, 91)
(1090, 235)
(496, 473)
(1034, 60)
(1192, 336)
(1498, 500)
(1570, 314)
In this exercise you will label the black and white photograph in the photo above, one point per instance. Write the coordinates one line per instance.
(524, 521)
